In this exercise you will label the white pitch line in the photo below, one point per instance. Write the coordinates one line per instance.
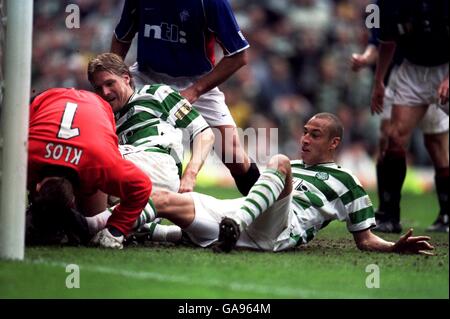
(234, 286)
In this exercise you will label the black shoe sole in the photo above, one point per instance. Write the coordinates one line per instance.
(228, 236)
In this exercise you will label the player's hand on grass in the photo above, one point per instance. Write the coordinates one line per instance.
(376, 105)
(408, 244)
(443, 92)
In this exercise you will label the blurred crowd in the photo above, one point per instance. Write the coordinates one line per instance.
(299, 65)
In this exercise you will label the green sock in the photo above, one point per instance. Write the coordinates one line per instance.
(262, 195)
(148, 215)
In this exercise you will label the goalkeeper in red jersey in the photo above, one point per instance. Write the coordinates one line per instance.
(73, 162)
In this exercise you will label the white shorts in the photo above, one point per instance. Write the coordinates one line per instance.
(418, 85)
(262, 234)
(435, 120)
(210, 105)
(160, 167)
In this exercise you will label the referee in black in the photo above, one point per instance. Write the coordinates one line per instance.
(420, 28)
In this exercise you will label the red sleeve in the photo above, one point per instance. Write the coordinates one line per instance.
(133, 187)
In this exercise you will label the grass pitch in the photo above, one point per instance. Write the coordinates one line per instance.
(329, 267)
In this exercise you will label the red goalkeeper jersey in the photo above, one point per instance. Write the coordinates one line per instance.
(76, 129)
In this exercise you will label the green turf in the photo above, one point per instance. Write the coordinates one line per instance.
(329, 267)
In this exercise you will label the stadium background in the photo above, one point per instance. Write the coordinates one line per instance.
(299, 65)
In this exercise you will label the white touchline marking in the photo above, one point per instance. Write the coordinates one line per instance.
(235, 286)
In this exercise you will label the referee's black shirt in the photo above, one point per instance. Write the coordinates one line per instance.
(419, 27)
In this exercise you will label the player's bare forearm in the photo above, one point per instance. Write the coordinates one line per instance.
(369, 57)
(366, 240)
(119, 48)
(221, 72)
(407, 244)
(386, 52)
(202, 146)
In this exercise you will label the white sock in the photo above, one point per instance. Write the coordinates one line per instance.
(98, 222)
(262, 195)
(165, 233)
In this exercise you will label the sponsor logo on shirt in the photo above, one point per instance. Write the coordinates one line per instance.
(165, 32)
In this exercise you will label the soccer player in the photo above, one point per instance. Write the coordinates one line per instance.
(434, 125)
(73, 162)
(289, 204)
(150, 123)
(176, 43)
(420, 30)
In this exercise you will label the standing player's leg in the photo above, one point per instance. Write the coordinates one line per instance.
(382, 213)
(213, 108)
(404, 120)
(437, 146)
(244, 172)
(275, 183)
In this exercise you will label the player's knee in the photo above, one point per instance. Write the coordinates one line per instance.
(397, 140)
(281, 163)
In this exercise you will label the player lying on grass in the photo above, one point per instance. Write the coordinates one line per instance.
(288, 205)
(150, 123)
(73, 162)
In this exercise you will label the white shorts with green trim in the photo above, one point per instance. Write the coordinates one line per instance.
(262, 234)
(160, 167)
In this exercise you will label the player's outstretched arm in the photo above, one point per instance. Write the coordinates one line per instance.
(201, 147)
(222, 71)
(407, 244)
(386, 52)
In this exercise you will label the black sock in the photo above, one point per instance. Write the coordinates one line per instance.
(441, 180)
(245, 182)
(394, 167)
(381, 186)
(114, 231)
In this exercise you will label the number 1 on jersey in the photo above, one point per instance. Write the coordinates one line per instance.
(65, 129)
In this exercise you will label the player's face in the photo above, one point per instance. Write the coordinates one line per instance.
(316, 145)
(116, 90)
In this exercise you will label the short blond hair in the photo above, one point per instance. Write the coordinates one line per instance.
(109, 62)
